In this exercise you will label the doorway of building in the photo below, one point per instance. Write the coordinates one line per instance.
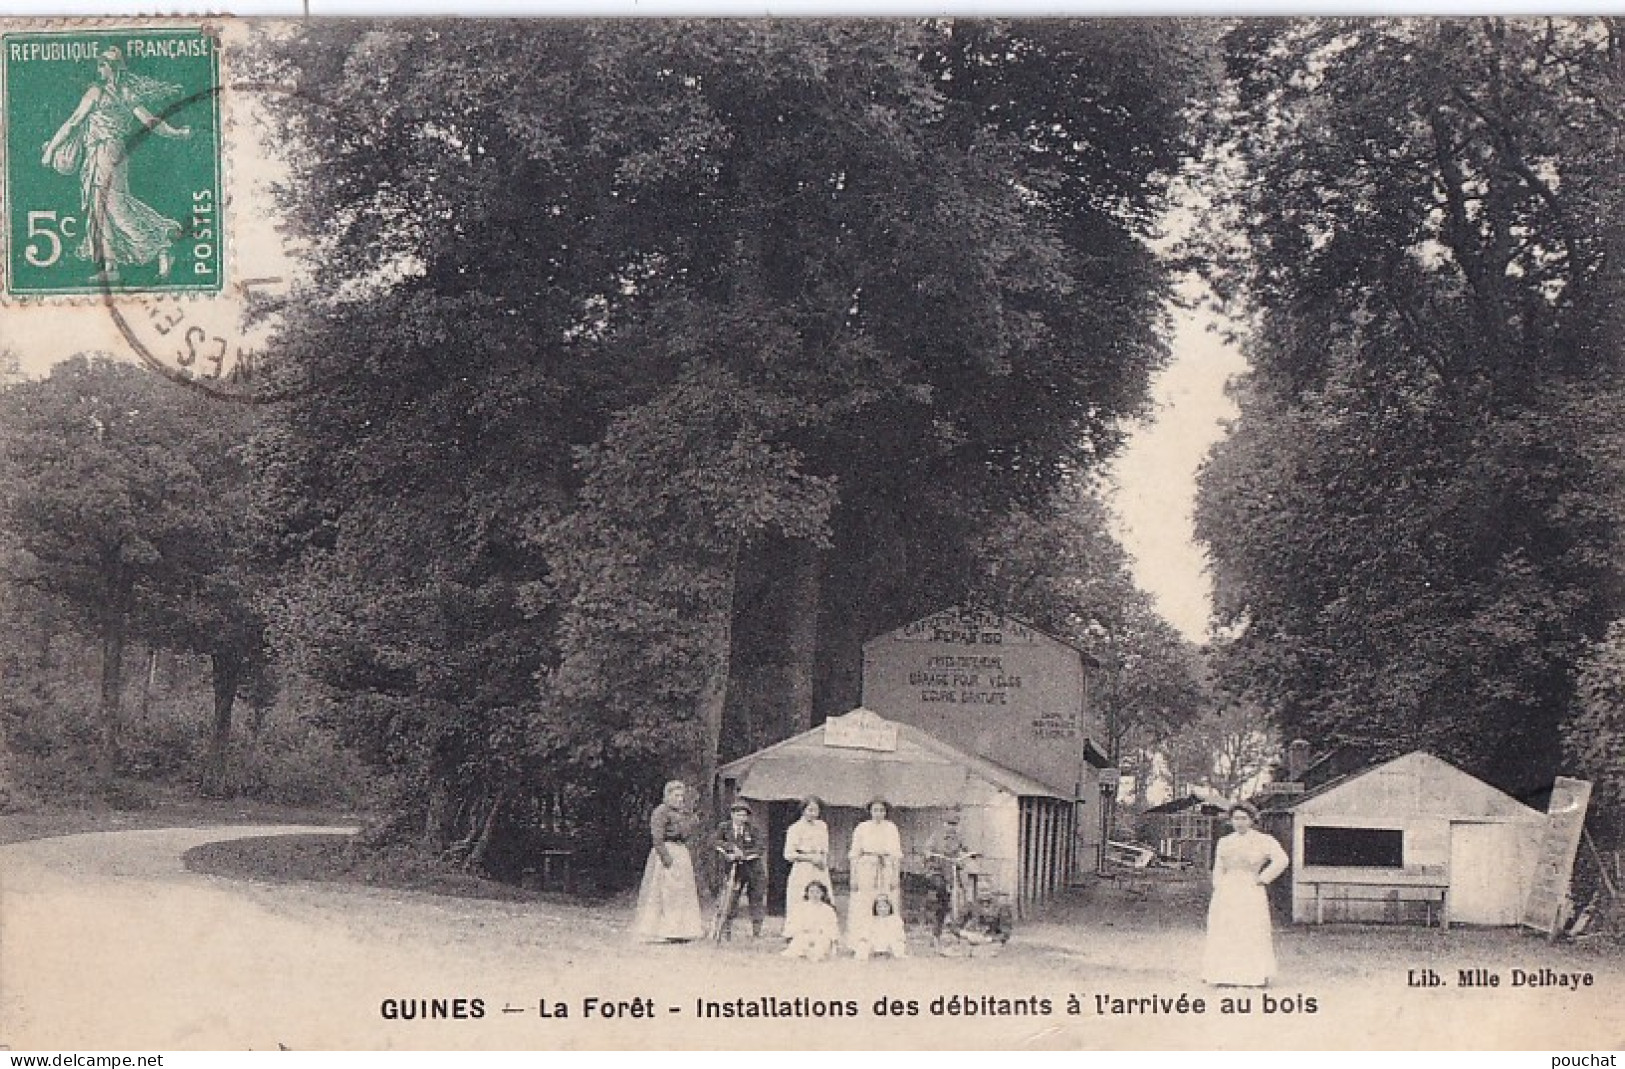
(1483, 888)
(780, 815)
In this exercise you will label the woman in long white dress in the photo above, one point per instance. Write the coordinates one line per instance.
(1240, 948)
(876, 855)
(806, 847)
(668, 900)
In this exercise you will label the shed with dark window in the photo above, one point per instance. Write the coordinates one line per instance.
(1412, 840)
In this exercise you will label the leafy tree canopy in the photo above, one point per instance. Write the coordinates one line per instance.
(1411, 526)
(621, 331)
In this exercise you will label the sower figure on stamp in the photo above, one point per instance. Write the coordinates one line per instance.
(946, 856)
(744, 851)
(96, 140)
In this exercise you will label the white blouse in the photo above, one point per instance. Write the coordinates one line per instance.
(875, 837)
(807, 837)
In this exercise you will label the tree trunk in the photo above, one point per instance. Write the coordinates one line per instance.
(476, 857)
(713, 698)
(11, 798)
(801, 637)
(440, 813)
(257, 712)
(228, 673)
(47, 632)
(147, 680)
(114, 624)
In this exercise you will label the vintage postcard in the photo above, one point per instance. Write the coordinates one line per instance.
(543, 534)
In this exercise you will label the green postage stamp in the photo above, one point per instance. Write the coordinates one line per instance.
(112, 174)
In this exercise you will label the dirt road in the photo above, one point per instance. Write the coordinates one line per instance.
(106, 941)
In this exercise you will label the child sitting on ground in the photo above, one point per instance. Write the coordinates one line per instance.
(883, 934)
(815, 929)
(983, 933)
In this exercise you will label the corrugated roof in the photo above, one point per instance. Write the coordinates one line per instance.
(923, 771)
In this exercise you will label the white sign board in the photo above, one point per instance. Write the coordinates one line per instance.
(861, 730)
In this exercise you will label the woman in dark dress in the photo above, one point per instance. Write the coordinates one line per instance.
(668, 901)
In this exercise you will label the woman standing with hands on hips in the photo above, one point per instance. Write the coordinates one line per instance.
(668, 901)
(1240, 948)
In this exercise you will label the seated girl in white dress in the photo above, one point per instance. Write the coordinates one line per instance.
(882, 934)
(813, 929)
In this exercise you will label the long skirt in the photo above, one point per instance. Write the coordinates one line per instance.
(668, 901)
(1240, 946)
(795, 890)
(871, 877)
(119, 228)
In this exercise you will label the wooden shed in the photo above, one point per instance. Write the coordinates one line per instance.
(1414, 839)
(1188, 827)
(1022, 828)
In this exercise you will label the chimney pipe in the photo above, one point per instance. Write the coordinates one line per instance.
(1297, 760)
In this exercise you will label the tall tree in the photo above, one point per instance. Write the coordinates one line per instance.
(1058, 566)
(1227, 749)
(1408, 527)
(112, 482)
(1594, 737)
(647, 565)
(929, 306)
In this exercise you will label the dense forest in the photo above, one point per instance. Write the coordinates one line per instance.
(647, 369)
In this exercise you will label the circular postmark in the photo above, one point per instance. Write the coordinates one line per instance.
(216, 343)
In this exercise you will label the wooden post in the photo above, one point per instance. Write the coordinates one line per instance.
(1602, 866)
(1025, 892)
(1057, 847)
(1565, 824)
(1043, 850)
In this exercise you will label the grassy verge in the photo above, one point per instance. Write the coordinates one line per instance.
(179, 811)
(335, 859)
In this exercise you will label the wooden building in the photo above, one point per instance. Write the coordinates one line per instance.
(1414, 839)
(991, 685)
(1023, 829)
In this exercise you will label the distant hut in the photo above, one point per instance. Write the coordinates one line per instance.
(1187, 827)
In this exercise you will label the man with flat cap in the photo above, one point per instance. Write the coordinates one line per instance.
(744, 850)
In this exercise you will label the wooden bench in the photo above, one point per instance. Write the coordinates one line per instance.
(1431, 894)
(558, 870)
